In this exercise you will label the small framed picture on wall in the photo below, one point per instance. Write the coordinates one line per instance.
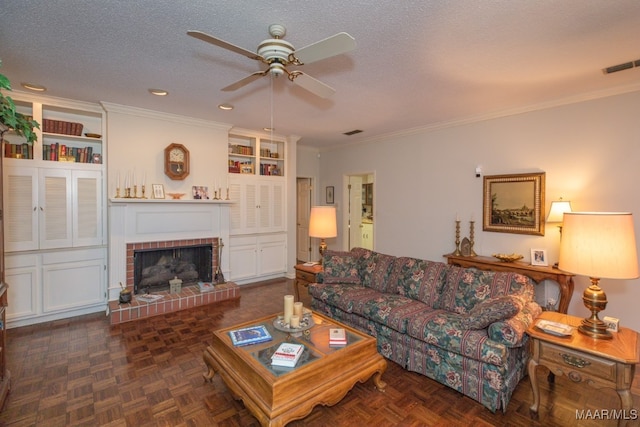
(539, 257)
(330, 195)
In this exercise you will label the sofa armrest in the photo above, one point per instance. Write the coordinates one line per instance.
(511, 332)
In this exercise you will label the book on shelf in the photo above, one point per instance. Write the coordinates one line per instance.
(206, 286)
(250, 335)
(337, 337)
(287, 354)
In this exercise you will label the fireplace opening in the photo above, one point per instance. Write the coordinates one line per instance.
(153, 268)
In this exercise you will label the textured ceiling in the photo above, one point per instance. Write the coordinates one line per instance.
(417, 63)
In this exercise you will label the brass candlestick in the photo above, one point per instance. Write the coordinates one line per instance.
(227, 194)
(471, 234)
(127, 193)
(143, 192)
(117, 192)
(457, 251)
(135, 191)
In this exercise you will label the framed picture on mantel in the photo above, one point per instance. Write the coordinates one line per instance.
(514, 203)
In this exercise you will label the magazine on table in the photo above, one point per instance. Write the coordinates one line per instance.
(250, 335)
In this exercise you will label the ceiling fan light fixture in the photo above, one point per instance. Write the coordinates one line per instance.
(225, 107)
(158, 92)
(34, 87)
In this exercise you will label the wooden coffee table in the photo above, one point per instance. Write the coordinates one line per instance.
(323, 376)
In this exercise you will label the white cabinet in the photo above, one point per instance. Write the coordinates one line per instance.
(54, 285)
(367, 235)
(48, 208)
(259, 205)
(257, 257)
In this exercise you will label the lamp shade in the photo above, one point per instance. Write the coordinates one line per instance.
(599, 244)
(322, 222)
(557, 210)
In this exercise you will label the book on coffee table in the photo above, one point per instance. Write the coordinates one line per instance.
(337, 337)
(250, 335)
(287, 354)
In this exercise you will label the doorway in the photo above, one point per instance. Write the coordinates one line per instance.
(303, 210)
(360, 209)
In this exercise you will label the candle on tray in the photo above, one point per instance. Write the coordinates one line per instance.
(288, 308)
(297, 309)
(295, 321)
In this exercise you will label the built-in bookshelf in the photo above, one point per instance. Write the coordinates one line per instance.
(254, 155)
(66, 134)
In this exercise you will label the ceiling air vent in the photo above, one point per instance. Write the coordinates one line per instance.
(352, 132)
(620, 67)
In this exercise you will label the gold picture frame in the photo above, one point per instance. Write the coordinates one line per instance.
(514, 203)
(157, 191)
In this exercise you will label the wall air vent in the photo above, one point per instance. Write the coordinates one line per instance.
(620, 67)
(352, 132)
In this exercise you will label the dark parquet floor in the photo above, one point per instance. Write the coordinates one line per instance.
(84, 372)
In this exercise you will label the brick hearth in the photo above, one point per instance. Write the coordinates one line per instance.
(188, 298)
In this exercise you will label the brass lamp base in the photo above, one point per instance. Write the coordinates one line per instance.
(595, 300)
(323, 249)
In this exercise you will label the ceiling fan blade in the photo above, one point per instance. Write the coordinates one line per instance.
(331, 46)
(251, 77)
(223, 44)
(314, 86)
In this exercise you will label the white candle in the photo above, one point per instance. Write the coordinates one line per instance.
(144, 178)
(295, 321)
(288, 308)
(133, 180)
(118, 180)
(297, 309)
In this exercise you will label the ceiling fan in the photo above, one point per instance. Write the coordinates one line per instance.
(278, 54)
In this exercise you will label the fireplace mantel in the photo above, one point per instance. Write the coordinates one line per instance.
(151, 220)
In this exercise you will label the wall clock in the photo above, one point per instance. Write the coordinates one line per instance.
(176, 161)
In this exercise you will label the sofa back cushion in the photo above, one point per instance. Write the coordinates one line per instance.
(375, 269)
(419, 279)
(340, 267)
(466, 287)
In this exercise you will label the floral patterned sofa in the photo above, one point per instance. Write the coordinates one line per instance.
(460, 326)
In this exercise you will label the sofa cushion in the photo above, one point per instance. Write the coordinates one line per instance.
(443, 329)
(491, 310)
(511, 332)
(339, 267)
(392, 310)
(466, 287)
(374, 269)
(418, 279)
(345, 296)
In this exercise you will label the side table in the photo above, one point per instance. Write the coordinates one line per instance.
(305, 274)
(597, 363)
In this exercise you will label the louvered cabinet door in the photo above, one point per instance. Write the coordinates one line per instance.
(87, 208)
(55, 208)
(20, 209)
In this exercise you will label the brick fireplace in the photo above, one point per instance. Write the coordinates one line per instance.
(143, 224)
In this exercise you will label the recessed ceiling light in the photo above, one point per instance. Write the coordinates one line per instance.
(158, 92)
(269, 129)
(33, 86)
(225, 107)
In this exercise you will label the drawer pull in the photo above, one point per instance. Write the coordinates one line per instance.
(575, 361)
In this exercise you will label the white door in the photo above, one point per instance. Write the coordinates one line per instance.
(355, 212)
(303, 209)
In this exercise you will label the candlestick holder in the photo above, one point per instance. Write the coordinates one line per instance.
(117, 192)
(471, 238)
(127, 193)
(457, 251)
(135, 191)
(143, 192)
(215, 194)
(227, 194)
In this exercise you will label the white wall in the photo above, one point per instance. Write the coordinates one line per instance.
(589, 151)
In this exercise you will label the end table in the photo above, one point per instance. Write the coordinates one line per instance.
(305, 274)
(597, 363)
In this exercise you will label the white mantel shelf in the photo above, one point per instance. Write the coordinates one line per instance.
(181, 201)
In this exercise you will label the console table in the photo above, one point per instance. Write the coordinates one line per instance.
(537, 273)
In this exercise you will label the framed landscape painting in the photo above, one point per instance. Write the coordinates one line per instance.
(514, 203)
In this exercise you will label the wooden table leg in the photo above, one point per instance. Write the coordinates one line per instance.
(534, 386)
(626, 399)
(208, 360)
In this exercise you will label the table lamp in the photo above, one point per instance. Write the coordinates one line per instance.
(598, 245)
(322, 224)
(557, 211)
